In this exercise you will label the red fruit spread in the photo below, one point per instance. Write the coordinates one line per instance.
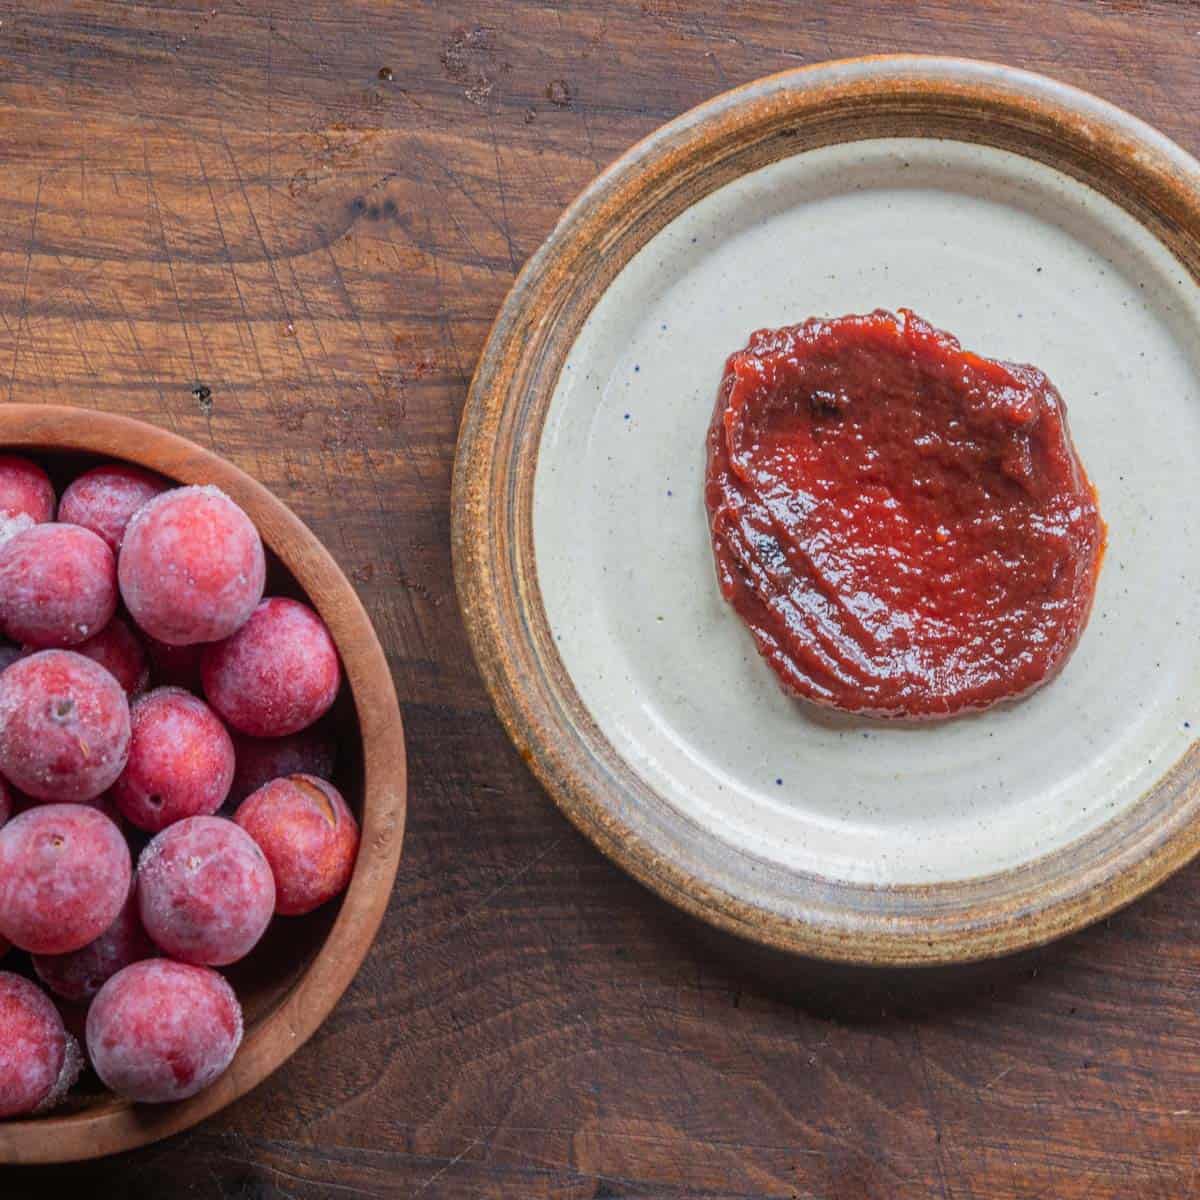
(905, 527)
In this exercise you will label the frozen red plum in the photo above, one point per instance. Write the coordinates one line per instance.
(10, 526)
(6, 811)
(205, 891)
(106, 497)
(36, 1057)
(160, 1030)
(25, 490)
(79, 975)
(58, 585)
(64, 875)
(191, 567)
(277, 675)
(180, 761)
(120, 652)
(312, 751)
(64, 726)
(309, 836)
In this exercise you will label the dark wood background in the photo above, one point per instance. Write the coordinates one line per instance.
(282, 229)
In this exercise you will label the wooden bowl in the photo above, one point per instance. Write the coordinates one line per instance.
(303, 965)
(581, 549)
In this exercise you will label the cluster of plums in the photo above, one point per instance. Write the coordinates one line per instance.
(164, 778)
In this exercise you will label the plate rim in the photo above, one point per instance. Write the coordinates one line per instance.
(1044, 120)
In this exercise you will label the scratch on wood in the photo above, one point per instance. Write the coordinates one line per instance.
(451, 1164)
(23, 312)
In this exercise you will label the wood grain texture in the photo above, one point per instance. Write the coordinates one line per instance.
(181, 185)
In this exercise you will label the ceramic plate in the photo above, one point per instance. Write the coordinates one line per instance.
(1037, 224)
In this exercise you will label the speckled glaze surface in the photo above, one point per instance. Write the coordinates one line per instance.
(1030, 220)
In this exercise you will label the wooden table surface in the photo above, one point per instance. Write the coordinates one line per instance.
(283, 229)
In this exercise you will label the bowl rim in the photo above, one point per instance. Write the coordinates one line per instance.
(495, 565)
(113, 1124)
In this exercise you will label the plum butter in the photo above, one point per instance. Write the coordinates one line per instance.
(904, 526)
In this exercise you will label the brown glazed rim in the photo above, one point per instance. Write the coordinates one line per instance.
(112, 1125)
(495, 569)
